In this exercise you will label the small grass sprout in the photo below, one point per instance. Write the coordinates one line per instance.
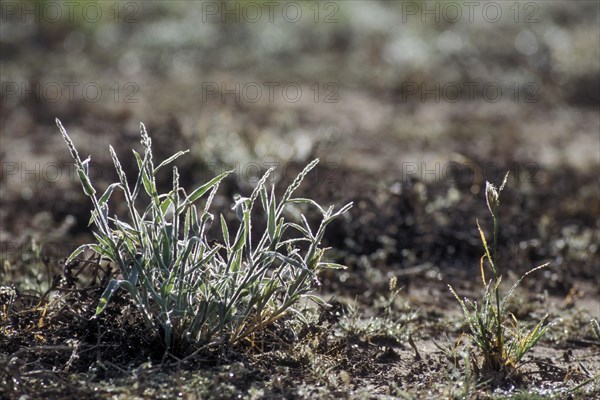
(192, 292)
(495, 331)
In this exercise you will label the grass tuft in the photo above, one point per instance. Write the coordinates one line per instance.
(496, 332)
(191, 292)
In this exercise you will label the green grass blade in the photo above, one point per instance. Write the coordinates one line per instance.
(196, 194)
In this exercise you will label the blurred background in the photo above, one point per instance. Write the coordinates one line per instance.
(410, 105)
